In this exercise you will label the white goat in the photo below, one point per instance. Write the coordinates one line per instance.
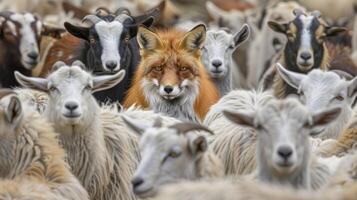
(319, 90)
(102, 153)
(170, 154)
(217, 58)
(283, 153)
(29, 150)
(232, 143)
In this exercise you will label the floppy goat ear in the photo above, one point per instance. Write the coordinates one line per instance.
(107, 81)
(292, 78)
(77, 31)
(197, 144)
(194, 39)
(333, 31)
(323, 118)
(14, 111)
(138, 127)
(245, 119)
(277, 27)
(32, 82)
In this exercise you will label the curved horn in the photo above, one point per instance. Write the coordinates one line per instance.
(185, 127)
(343, 74)
(101, 11)
(122, 17)
(316, 13)
(58, 65)
(92, 18)
(122, 11)
(6, 14)
(79, 64)
(5, 92)
(298, 12)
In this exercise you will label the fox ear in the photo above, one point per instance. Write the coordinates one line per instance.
(147, 39)
(194, 39)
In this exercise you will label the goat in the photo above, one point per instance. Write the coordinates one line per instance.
(105, 47)
(283, 153)
(29, 149)
(20, 35)
(319, 90)
(101, 153)
(185, 155)
(217, 58)
(171, 78)
(232, 143)
(263, 45)
(305, 48)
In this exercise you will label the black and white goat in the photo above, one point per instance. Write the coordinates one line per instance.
(305, 49)
(108, 45)
(20, 36)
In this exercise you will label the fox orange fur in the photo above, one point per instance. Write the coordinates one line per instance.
(171, 72)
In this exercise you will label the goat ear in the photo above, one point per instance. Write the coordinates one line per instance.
(194, 39)
(245, 119)
(137, 127)
(14, 111)
(277, 27)
(352, 87)
(77, 31)
(51, 31)
(242, 35)
(197, 144)
(292, 78)
(148, 40)
(107, 81)
(215, 12)
(333, 31)
(323, 118)
(32, 82)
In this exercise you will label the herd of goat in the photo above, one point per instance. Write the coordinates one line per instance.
(258, 103)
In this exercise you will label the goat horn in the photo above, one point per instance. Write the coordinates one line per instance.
(185, 127)
(298, 12)
(101, 11)
(79, 64)
(316, 14)
(122, 11)
(92, 18)
(343, 74)
(122, 17)
(5, 92)
(58, 65)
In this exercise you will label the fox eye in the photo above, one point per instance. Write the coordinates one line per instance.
(158, 68)
(183, 69)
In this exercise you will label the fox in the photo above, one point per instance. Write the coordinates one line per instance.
(170, 77)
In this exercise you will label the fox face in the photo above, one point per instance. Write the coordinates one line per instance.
(171, 64)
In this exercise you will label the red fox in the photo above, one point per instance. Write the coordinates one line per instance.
(171, 78)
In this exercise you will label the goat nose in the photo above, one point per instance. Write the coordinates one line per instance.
(305, 55)
(33, 55)
(137, 181)
(71, 106)
(111, 65)
(285, 152)
(168, 89)
(216, 63)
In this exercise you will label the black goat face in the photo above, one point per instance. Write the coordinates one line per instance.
(108, 39)
(306, 35)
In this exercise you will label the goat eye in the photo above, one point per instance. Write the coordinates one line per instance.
(174, 154)
(88, 87)
(339, 98)
(231, 47)
(53, 89)
(92, 40)
(127, 39)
